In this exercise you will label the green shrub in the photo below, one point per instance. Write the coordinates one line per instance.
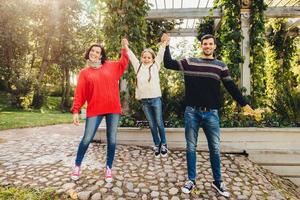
(287, 105)
(270, 119)
(127, 121)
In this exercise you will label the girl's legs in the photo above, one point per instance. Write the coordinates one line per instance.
(157, 108)
(150, 116)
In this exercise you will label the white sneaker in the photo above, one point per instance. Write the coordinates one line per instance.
(108, 175)
(188, 187)
(221, 189)
(76, 173)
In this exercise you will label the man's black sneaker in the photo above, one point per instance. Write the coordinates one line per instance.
(188, 187)
(220, 187)
(156, 150)
(164, 150)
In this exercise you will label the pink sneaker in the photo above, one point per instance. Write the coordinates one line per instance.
(76, 173)
(108, 175)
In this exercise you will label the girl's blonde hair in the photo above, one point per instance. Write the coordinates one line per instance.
(149, 51)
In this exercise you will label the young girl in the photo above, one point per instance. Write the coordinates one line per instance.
(149, 93)
(98, 85)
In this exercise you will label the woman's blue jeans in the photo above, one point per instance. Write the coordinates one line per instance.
(153, 110)
(209, 121)
(91, 126)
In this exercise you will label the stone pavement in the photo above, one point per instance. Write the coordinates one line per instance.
(43, 158)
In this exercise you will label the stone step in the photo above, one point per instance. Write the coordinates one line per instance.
(286, 171)
(275, 159)
(295, 180)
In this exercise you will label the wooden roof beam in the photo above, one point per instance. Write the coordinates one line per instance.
(192, 13)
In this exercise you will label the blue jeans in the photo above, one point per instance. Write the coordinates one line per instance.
(209, 121)
(91, 126)
(153, 111)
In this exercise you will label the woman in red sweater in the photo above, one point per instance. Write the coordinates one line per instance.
(98, 85)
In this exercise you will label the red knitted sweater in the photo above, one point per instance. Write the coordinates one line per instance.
(99, 87)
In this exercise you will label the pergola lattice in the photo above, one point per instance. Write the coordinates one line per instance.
(190, 12)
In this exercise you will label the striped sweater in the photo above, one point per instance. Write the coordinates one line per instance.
(202, 78)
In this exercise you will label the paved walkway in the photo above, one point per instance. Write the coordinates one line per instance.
(43, 158)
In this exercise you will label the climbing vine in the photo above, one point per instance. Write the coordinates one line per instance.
(230, 35)
(206, 26)
(257, 53)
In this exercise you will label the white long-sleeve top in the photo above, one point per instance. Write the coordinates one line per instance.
(147, 89)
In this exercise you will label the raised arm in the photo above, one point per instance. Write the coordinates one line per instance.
(160, 54)
(133, 59)
(122, 63)
(169, 63)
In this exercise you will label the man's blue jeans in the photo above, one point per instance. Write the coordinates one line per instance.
(153, 111)
(91, 126)
(209, 121)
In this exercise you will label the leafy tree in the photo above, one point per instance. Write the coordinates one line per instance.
(15, 63)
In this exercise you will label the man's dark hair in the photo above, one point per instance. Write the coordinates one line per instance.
(208, 36)
(102, 54)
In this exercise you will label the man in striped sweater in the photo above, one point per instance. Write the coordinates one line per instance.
(202, 78)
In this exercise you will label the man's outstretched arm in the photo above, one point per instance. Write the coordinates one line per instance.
(237, 95)
(169, 63)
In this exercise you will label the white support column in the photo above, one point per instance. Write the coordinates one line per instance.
(245, 48)
(124, 89)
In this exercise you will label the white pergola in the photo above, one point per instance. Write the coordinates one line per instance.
(191, 12)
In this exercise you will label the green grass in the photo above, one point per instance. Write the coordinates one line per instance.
(12, 193)
(18, 118)
(22, 119)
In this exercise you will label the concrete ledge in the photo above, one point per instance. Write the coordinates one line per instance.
(232, 139)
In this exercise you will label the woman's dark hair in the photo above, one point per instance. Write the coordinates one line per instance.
(103, 54)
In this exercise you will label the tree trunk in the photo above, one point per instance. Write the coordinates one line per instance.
(63, 89)
(68, 88)
(65, 100)
(38, 98)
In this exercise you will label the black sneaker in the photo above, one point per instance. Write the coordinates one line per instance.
(164, 150)
(220, 187)
(156, 150)
(188, 187)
